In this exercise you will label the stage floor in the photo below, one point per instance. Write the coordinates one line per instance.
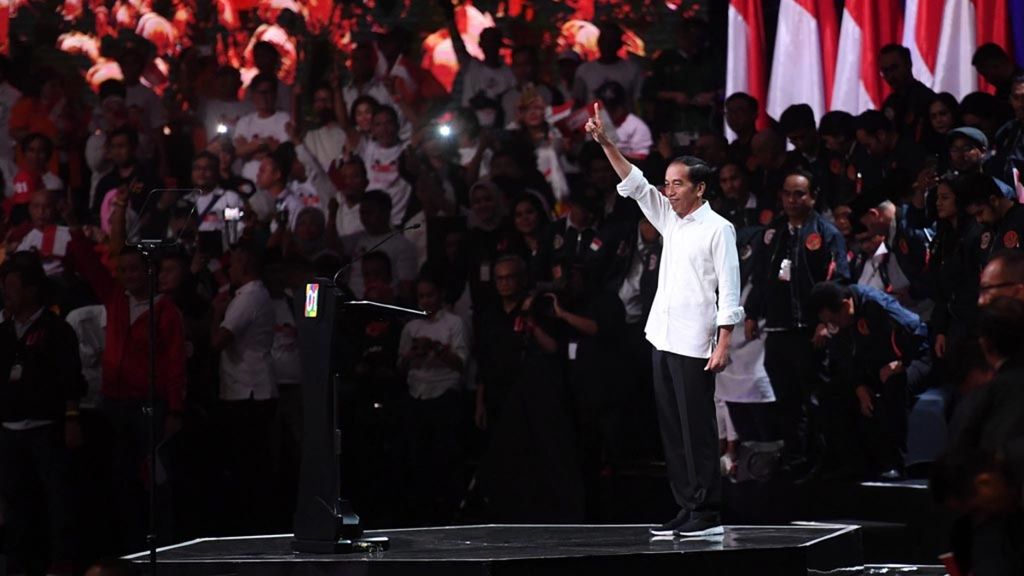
(523, 549)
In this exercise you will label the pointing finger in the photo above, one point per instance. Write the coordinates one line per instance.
(597, 109)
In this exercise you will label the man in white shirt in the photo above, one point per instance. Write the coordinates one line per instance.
(327, 141)
(213, 203)
(351, 181)
(382, 157)
(608, 68)
(138, 95)
(373, 211)
(432, 352)
(259, 133)
(690, 331)
(243, 333)
(221, 113)
(481, 80)
(632, 136)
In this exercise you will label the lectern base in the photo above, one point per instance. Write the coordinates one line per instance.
(359, 545)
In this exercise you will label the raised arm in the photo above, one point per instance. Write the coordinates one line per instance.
(595, 127)
(652, 203)
(458, 45)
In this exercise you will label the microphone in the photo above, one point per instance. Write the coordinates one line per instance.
(353, 261)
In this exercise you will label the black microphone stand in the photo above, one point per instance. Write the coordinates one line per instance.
(151, 250)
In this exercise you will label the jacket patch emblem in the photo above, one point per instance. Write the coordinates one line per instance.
(813, 242)
(1011, 240)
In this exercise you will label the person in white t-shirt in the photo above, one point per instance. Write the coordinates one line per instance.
(631, 136)
(261, 132)
(220, 114)
(483, 82)
(137, 95)
(608, 67)
(433, 352)
(373, 211)
(243, 334)
(363, 83)
(327, 141)
(383, 156)
(343, 213)
(212, 202)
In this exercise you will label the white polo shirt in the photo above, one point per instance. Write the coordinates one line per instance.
(246, 366)
(430, 377)
(698, 259)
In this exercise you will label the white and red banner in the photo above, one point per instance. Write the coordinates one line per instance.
(805, 43)
(957, 42)
(745, 60)
(867, 26)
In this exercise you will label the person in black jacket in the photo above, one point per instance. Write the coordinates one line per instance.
(879, 349)
(954, 268)
(40, 385)
(802, 249)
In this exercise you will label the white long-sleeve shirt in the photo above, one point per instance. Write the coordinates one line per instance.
(698, 259)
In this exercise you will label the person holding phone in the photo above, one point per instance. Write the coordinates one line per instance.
(695, 308)
(215, 207)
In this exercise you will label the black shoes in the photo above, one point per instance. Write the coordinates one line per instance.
(707, 524)
(669, 528)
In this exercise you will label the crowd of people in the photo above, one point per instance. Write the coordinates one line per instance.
(880, 258)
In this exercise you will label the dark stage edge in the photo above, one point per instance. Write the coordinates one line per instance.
(535, 550)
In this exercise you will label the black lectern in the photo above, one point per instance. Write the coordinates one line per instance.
(324, 522)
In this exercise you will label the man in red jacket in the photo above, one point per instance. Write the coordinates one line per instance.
(125, 385)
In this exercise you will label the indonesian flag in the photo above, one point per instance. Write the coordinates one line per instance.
(992, 26)
(744, 65)
(867, 26)
(800, 45)
(922, 24)
(953, 70)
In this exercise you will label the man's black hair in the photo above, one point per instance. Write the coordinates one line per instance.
(829, 296)
(744, 97)
(379, 199)
(699, 170)
(896, 49)
(838, 123)
(796, 117)
(988, 53)
(872, 121)
(29, 268)
(999, 324)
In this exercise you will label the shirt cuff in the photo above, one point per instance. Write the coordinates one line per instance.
(730, 317)
(632, 184)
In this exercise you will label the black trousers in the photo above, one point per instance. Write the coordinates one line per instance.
(34, 461)
(794, 366)
(685, 397)
(247, 458)
(433, 453)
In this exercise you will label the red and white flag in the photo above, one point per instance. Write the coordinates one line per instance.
(957, 42)
(800, 46)
(922, 24)
(867, 26)
(992, 26)
(744, 66)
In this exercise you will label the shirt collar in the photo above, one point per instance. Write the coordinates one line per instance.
(882, 251)
(700, 213)
(23, 326)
